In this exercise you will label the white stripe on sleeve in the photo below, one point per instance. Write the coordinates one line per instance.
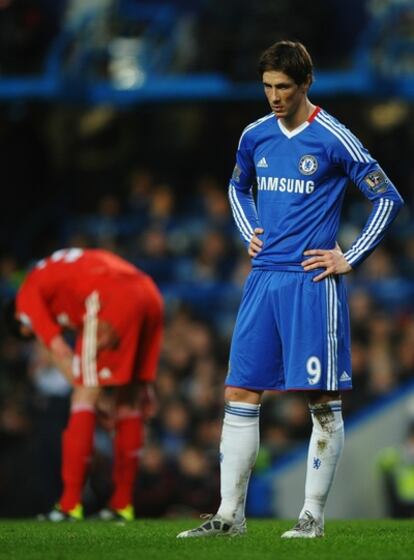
(239, 216)
(375, 229)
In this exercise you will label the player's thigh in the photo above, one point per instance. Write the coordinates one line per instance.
(139, 321)
(314, 327)
(133, 307)
(104, 367)
(256, 354)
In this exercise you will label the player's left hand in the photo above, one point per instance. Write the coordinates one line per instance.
(256, 244)
(332, 260)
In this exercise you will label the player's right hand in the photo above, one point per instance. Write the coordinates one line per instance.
(62, 356)
(256, 244)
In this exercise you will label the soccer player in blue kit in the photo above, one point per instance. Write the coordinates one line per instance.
(292, 329)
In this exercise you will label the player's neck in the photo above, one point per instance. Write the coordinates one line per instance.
(302, 114)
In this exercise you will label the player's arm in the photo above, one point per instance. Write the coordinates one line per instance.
(32, 311)
(386, 203)
(366, 173)
(62, 353)
(241, 198)
(34, 315)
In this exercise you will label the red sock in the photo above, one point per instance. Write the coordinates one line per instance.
(128, 442)
(77, 446)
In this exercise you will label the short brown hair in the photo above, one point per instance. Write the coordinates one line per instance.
(288, 57)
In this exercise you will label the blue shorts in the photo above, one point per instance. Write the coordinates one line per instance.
(291, 334)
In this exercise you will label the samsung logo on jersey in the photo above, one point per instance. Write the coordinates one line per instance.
(283, 184)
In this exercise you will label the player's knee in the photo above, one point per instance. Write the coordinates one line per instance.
(242, 395)
(86, 396)
(323, 397)
(126, 411)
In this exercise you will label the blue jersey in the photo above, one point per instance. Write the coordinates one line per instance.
(301, 178)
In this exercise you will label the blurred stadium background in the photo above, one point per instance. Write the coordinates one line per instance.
(119, 121)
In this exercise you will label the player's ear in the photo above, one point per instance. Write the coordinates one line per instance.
(308, 82)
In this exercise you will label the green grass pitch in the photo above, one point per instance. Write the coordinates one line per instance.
(155, 540)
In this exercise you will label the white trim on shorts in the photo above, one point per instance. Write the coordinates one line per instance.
(89, 341)
(332, 334)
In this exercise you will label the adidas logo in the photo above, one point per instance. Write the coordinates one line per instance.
(262, 163)
(344, 377)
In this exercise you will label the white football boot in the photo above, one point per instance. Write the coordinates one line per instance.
(215, 526)
(307, 527)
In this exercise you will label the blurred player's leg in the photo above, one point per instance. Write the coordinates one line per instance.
(127, 446)
(77, 444)
(139, 320)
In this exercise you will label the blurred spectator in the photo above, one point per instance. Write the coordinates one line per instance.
(214, 261)
(407, 258)
(104, 226)
(27, 28)
(10, 276)
(174, 427)
(151, 252)
(157, 483)
(161, 208)
(379, 266)
(141, 183)
(275, 439)
(196, 489)
(405, 347)
(396, 467)
(381, 362)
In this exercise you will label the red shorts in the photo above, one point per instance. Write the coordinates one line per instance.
(133, 307)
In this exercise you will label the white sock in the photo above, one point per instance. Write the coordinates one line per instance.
(238, 451)
(325, 448)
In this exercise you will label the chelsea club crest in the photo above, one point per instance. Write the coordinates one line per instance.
(308, 165)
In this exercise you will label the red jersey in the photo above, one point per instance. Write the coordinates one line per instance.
(53, 294)
(75, 288)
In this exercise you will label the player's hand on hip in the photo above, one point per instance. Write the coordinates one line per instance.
(256, 244)
(332, 260)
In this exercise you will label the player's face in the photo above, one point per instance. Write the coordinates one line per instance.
(284, 95)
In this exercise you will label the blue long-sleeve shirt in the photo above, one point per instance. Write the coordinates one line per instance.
(301, 178)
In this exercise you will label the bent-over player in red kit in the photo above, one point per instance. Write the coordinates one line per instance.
(117, 313)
